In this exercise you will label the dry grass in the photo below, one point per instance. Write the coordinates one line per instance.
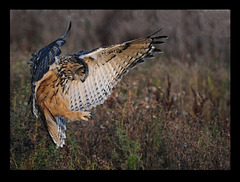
(172, 112)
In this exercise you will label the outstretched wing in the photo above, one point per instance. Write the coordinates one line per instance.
(106, 66)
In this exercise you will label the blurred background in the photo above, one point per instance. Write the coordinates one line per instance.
(193, 35)
(173, 112)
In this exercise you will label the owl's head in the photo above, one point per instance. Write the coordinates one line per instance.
(81, 73)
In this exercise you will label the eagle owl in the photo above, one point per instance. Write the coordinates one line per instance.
(65, 87)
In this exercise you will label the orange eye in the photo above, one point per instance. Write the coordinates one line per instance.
(82, 73)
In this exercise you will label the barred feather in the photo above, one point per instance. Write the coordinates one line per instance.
(106, 68)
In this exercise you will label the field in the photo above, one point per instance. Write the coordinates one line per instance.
(171, 113)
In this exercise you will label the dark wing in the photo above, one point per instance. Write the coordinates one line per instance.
(106, 66)
(40, 64)
(41, 61)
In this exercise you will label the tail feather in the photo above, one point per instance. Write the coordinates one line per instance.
(56, 128)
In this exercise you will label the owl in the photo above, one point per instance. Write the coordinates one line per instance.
(65, 87)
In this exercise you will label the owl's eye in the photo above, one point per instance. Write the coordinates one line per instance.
(82, 73)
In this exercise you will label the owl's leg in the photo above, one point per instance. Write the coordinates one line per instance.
(60, 107)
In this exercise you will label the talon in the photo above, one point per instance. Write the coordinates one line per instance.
(86, 116)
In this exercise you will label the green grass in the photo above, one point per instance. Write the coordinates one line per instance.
(140, 126)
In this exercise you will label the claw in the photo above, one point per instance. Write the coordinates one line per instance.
(86, 116)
